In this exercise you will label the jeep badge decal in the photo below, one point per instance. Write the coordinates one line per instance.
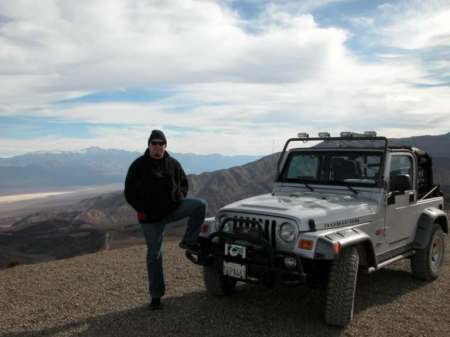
(235, 250)
(341, 223)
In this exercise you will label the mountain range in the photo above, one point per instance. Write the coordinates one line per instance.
(108, 221)
(92, 166)
(437, 146)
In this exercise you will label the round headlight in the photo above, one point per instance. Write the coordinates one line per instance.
(288, 232)
(228, 226)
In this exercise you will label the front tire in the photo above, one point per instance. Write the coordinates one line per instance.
(427, 263)
(341, 289)
(216, 283)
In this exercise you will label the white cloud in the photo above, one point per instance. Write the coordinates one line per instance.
(239, 86)
(416, 24)
(142, 43)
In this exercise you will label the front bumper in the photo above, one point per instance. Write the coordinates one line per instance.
(263, 264)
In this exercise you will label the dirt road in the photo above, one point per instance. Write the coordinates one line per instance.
(105, 294)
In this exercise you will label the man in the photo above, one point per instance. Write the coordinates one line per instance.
(156, 187)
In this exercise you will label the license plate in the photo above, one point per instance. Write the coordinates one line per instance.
(235, 270)
(235, 250)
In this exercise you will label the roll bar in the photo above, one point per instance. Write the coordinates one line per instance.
(331, 139)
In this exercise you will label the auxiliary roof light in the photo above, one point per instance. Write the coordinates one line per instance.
(346, 134)
(324, 135)
(302, 135)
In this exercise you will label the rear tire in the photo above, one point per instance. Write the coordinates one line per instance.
(427, 263)
(341, 288)
(216, 283)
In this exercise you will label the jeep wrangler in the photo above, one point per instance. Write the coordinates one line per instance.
(348, 204)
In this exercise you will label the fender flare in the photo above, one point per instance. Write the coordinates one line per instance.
(424, 230)
(346, 238)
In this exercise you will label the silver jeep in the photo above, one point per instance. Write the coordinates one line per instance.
(347, 204)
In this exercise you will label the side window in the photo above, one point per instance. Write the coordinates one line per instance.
(401, 173)
(401, 165)
(424, 175)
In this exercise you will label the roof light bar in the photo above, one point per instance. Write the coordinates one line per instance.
(303, 135)
(346, 134)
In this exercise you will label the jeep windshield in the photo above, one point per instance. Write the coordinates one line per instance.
(348, 168)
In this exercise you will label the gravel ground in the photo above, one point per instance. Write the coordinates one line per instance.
(105, 294)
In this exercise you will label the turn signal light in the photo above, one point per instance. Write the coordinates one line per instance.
(306, 244)
(336, 248)
(204, 228)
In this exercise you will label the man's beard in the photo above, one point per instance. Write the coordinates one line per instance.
(158, 154)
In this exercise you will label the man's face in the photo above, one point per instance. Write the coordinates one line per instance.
(156, 148)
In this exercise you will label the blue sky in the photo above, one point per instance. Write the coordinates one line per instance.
(219, 76)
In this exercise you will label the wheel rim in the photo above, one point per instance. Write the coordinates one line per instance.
(437, 253)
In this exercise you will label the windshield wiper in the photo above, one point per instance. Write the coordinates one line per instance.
(309, 187)
(351, 188)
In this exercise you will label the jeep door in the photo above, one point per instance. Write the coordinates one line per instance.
(400, 200)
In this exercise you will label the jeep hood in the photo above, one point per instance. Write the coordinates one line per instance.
(323, 208)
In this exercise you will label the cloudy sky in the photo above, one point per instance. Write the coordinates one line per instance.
(218, 76)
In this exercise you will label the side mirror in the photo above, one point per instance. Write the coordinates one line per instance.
(400, 183)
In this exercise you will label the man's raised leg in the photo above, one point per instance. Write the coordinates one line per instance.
(195, 209)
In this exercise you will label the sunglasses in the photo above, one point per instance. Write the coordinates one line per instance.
(157, 143)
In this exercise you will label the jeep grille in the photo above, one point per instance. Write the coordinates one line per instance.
(248, 222)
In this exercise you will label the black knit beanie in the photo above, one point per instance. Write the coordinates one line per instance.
(157, 134)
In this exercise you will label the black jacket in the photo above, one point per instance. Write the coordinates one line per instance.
(153, 187)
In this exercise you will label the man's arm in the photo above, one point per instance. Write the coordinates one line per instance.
(131, 191)
(182, 181)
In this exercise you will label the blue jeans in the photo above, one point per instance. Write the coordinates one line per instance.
(193, 208)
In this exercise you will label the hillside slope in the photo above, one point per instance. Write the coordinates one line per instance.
(438, 146)
(108, 217)
(88, 225)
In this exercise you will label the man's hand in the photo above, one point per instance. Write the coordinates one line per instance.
(141, 216)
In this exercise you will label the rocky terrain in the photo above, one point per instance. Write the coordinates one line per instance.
(54, 238)
(105, 294)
